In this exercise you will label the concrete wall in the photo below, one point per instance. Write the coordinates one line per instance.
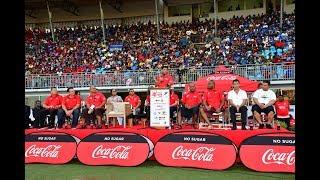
(289, 8)
(228, 15)
(130, 9)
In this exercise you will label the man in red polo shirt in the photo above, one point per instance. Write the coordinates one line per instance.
(70, 106)
(213, 101)
(174, 102)
(164, 80)
(52, 104)
(135, 103)
(282, 109)
(190, 103)
(94, 107)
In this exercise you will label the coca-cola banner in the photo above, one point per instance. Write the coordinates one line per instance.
(196, 149)
(269, 152)
(114, 148)
(49, 147)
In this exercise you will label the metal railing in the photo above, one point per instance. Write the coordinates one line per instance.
(271, 72)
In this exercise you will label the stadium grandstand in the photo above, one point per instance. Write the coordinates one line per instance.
(124, 46)
(65, 44)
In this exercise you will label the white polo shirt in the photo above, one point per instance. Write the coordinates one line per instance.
(237, 98)
(264, 96)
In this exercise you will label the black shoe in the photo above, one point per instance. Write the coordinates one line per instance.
(243, 128)
(268, 126)
(261, 126)
(234, 128)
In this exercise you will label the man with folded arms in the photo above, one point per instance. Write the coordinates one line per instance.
(237, 100)
(70, 106)
(94, 107)
(264, 99)
(52, 104)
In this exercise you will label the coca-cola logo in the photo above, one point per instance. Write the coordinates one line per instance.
(118, 152)
(271, 157)
(51, 151)
(199, 154)
(225, 77)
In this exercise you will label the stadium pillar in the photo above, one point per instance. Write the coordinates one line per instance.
(157, 17)
(281, 14)
(102, 23)
(50, 21)
(215, 17)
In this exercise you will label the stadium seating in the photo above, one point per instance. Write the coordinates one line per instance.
(244, 40)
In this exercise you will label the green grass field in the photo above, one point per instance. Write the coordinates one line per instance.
(147, 171)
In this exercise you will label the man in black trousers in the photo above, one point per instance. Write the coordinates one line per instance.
(238, 100)
(38, 114)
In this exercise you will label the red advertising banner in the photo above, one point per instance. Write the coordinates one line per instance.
(114, 148)
(269, 152)
(196, 149)
(49, 147)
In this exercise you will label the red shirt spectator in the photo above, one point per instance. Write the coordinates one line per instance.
(71, 101)
(282, 108)
(95, 99)
(173, 98)
(191, 98)
(133, 100)
(213, 98)
(279, 44)
(53, 100)
(276, 60)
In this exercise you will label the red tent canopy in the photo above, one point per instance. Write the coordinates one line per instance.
(223, 82)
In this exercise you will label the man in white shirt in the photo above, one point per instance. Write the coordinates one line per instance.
(237, 99)
(264, 99)
(115, 98)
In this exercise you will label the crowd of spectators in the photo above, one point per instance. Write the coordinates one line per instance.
(241, 40)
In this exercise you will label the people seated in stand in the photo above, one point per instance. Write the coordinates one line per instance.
(38, 115)
(282, 110)
(70, 106)
(164, 80)
(115, 98)
(95, 103)
(264, 99)
(213, 102)
(190, 103)
(52, 104)
(135, 103)
(238, 100)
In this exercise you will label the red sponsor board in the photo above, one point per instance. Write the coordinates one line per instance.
(269, 152)
(114, 148)
(49, 147)
(196, 149)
